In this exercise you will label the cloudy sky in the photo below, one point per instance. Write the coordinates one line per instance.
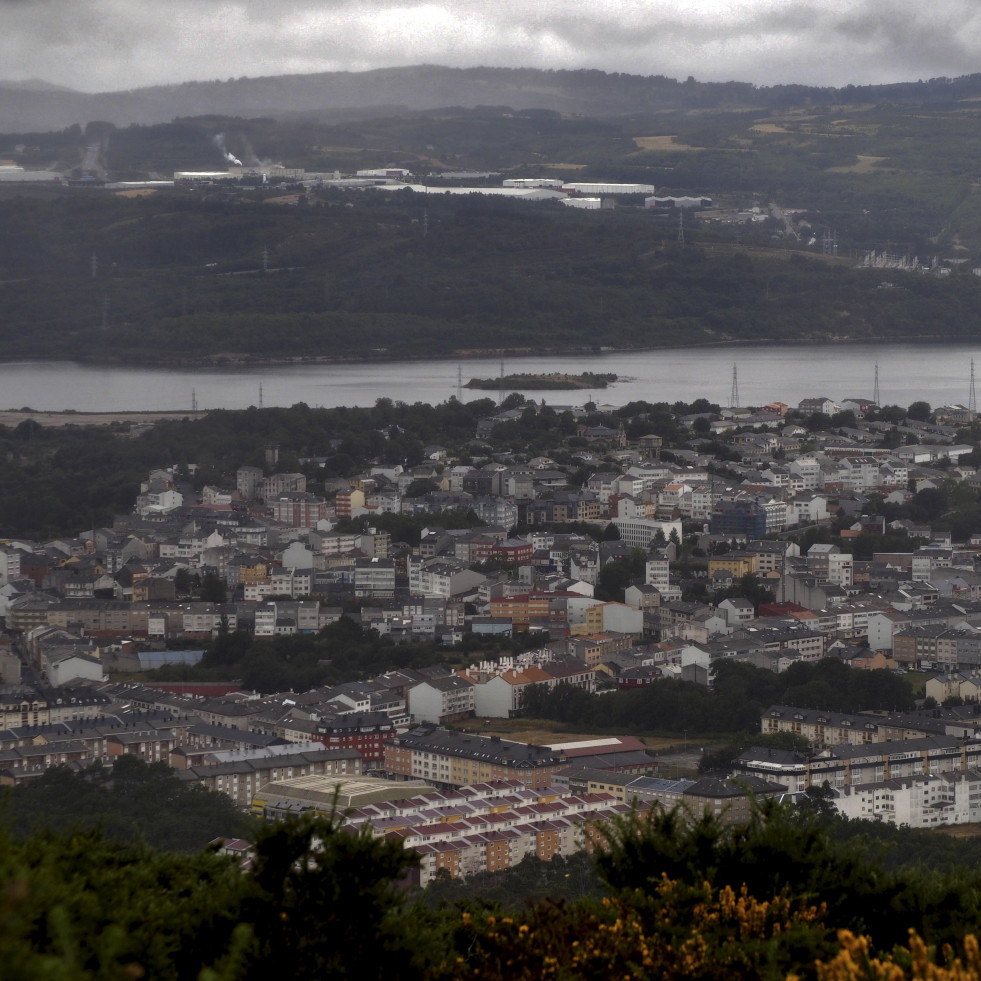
(100, 45)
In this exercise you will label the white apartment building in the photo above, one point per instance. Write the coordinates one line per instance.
(658, 573)
(809, 470)
(777, 516)
(700, 501)
(641, 532)
(206, 618)
(441, 699)
(829, 564)
(9, 565)
(374, 578)
(292, 582)
(265, 620)
(441, 578)
(932, 801)
(859, 473)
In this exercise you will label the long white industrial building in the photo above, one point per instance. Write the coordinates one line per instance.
(578, 188)
(524, 193)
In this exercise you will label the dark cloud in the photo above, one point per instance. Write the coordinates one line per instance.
(109, 44)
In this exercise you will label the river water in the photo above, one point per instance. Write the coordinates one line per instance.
(934, 373)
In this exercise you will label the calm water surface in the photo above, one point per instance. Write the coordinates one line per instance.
(937, 374)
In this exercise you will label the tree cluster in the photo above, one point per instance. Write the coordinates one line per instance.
(740, 694)
(771, 897)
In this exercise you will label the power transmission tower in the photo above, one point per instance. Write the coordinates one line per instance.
(681, 226)
(734, 394)
(194, 400)
(875, 393)
(972, 399)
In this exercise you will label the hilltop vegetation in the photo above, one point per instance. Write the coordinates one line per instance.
(131, 802)
(329, 96)
(546, 381)
(777, 896)
(267, 271)
(181, 279)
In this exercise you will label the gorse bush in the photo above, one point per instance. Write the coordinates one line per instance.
(775, 897)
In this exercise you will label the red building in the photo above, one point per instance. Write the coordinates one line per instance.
(367, 732)
(513, 551)
(299, 510)
(510, 551)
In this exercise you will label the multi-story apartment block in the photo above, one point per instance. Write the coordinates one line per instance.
(366, 732)
(298, 509)
(441, 699)
(374, 578)
(247, 482)
(853, 764)
(829, 564)
(826, 729)
(268, 488)
(521, 609)
(455, 759)
(242, 778)
(937, 800)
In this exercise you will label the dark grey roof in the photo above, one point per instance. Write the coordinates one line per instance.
(471, 746)
(229, 735)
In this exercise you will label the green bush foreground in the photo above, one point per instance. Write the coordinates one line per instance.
(776, 897)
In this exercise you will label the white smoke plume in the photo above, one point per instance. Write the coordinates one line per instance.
(219, 141)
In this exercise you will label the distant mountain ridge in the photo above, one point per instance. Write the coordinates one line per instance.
(32, 85)
(38, 106)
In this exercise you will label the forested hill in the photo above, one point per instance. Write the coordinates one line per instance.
(294, 267)
(182, 280)
(323, 94)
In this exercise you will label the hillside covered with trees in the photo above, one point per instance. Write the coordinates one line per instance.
(181, 280)
(802, 191)
(333, 95)
(776, 897)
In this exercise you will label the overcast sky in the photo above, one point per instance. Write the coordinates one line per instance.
(100, 45)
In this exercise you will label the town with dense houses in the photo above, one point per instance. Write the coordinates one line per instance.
(714, 562)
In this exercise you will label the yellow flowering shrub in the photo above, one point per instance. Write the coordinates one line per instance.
(855, 962)
(684, 933)
(678, 931)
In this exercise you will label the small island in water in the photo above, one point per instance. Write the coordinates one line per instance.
(549, 381)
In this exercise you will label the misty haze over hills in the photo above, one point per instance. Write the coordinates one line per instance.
(39, 106)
